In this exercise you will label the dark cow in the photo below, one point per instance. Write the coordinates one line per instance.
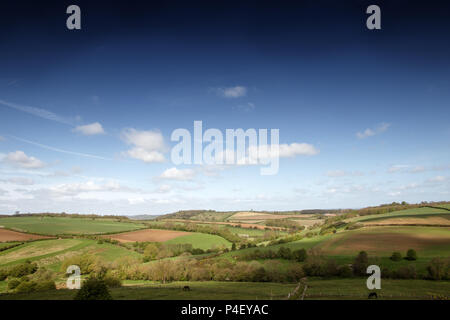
(186, 288)
(372, 295)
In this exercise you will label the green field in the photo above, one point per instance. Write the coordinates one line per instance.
(66, 225)
(51, 253)
(201, 241)
(317, 289)
(7, 244)
(407, 213)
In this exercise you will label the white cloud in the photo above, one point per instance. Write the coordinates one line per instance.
(232, 92)
(19, 181)
(417, 169)
(398, 168)
(163, 188)
(336, 173)
(371, 132)
(90, 129)
(20, 159)
(177, 174)
(437, 179)
(294, 149)
(148, 145)
(249, 106)
(89, 186)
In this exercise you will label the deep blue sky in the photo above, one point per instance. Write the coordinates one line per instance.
(309, 68)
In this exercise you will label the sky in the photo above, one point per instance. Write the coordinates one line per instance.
(86, 116)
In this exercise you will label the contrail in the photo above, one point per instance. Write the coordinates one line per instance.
(42, 113)
(86, 155)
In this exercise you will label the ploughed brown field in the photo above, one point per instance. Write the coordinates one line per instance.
(154, 235)
(9, 235)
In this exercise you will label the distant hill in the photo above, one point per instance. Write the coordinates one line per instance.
(143, 217)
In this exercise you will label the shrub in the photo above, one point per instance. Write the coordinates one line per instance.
(408, 272)
(112, 281)
(360, 264)
(438, 269)
(23, 269)
(3, 274)
(411, 255)
(13, 283)
(300, 255)
(345, 271)
(26, 286)
(45, 285)
(93, 289)
(396, 256)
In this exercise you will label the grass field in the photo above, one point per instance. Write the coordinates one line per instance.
(66, 225)
(420, 212)
(317, 289)
(201, 241)
(7, 244)
(50, 253)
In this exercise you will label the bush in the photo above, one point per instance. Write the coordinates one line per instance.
(396, 256)
(26, 286)
(23, 269)
(408, 272)
(3, 274)
(439, 269)
(411, 255)
(300, 255)
(93, 289)
(45, 285)
(112, 281)
(361, 263)
(345, 271)
(13, 283)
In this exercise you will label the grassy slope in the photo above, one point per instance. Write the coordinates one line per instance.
(64, 225)
(7, 244)
(317, 289)
(401, 213)
(201, 241)
(51, 252)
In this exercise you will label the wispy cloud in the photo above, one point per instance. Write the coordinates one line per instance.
(38, 112)
(369, 132)
(231, 92)
(177, 174)
(86, 155)
(90, 129)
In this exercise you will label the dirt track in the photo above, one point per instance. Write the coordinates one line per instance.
(9, 235)
(154, 235)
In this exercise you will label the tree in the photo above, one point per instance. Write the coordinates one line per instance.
(411, 254)
(233, 246)
(438, 269)
(151, 251)
(396, 256)
(360, 264)
(93, 289)
(300, 255)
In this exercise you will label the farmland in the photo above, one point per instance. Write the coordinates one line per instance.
(153, 259)
(65, 225)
